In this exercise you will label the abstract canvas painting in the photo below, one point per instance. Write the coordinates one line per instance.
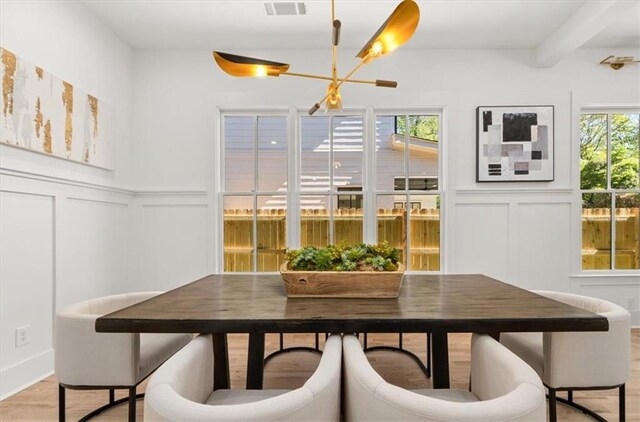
(514, 143)
(43, 113)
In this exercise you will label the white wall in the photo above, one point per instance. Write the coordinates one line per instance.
(65, 226)
(523, 233)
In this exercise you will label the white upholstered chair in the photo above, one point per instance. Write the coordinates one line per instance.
(182, 390)
(569, 361)
(87, 360)
(503, 388)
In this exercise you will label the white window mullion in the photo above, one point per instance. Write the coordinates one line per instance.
(406, 152)
(608, 150)
(442, 181)
(369, 218)
(612, 247)
(331, 187)
(613, 230)
(407, 206)
(219, 187)
(254, 196)
(293, 179)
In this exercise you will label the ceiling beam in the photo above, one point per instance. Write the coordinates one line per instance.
(590, 19)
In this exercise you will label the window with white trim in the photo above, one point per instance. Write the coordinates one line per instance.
(610, 190)
(332, 153)
(407, 188)
(339, 181)
(255, 192)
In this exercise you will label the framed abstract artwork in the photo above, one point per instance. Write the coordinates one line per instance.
(43, 113)
(514, 144)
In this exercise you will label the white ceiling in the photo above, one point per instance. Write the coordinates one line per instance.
(244, 24)
(625, 32)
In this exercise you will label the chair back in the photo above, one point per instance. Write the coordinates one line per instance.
(588, 359)
(369, 398)
(84, 357)
(178, 390)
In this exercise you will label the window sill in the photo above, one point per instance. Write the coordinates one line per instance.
(609, 274)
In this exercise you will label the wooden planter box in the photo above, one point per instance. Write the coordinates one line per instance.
(345, 284)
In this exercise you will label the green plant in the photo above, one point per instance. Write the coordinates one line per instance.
(345, 257)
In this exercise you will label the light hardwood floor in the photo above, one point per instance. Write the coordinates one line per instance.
(39, 402)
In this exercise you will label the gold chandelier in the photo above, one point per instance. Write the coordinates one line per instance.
(395, 31)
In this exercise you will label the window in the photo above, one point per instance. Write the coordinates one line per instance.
(407, 153)
(416, 183)
(335, 182)
(332, 159)
(610, 189)
(347, 201)
(255, 186)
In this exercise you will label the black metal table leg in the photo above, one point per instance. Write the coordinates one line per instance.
(255, 361)
(221, 379)
(440, 360)
(621, 403)
(61, 404)
(429, 355)
(132, 404)
(553, 416)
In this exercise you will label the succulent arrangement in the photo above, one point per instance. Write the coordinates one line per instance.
(344, 257)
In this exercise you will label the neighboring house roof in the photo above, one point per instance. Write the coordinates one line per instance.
(420, 146)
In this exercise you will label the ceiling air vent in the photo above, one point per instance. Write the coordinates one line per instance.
(285, 8)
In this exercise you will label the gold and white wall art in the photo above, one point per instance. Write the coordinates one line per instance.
(43, 113)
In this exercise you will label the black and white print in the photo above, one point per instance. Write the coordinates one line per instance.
(514, 143)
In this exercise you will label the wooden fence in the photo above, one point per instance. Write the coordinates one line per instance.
(424, 236)
(596, 238)
(314, 230)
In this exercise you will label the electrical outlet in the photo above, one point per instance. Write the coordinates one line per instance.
(631, 304)
(22, 336)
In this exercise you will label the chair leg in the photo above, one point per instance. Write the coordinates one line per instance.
(132, 404)
(112, 395)
(61, 403)
(621, 400)
(553, 417)
(428, 355)
(570, 396)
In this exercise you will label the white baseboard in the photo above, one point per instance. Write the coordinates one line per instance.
(23, 374)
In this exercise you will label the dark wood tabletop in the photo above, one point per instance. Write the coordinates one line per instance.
(427, 303)
(256, 304)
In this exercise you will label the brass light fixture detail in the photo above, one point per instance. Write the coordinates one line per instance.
(395, 31)
(617, 63)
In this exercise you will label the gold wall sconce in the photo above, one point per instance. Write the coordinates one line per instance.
(618, 62)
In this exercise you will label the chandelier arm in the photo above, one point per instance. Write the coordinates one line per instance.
(316, 106)
(345, 79)
(334, 45)
(334, 65)
(329, 78)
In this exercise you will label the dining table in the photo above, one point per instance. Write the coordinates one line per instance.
(256, 304)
